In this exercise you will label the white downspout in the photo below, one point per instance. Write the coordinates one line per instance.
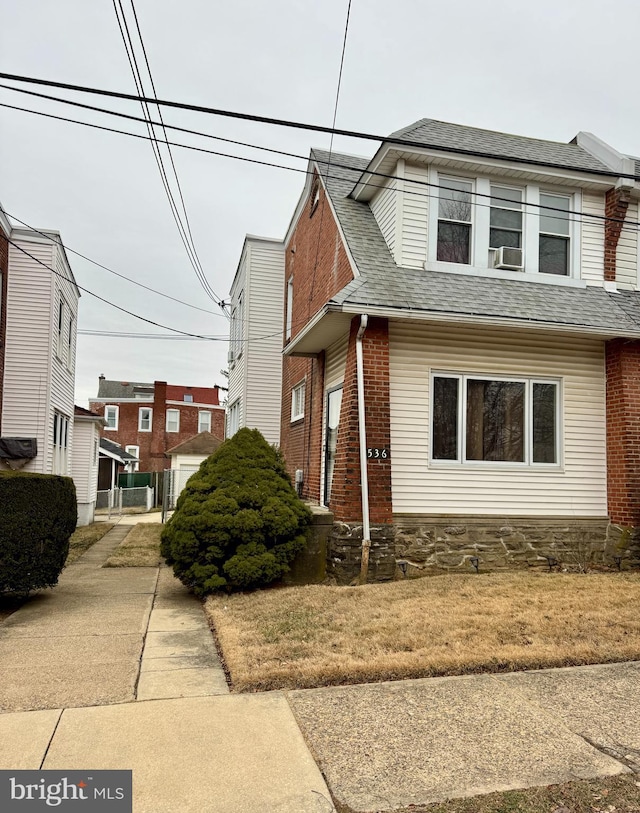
(364, 480)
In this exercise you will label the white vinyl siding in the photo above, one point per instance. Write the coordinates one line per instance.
(627, 253)
(415, 217)
(335, 362)
(593, 238)
(383, 206)
(36, 382)
(83, 469)
(264, 312)
(577, 489)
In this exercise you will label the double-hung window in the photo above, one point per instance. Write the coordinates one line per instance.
(233, 418)
(59, 338)
(506, 217)
(111, 417)
(297, 402)
(133, 465)
(204, 421)
(60, 443)
(144, 419)
(173, 420)
(454, 221)
(477, 418)
(554, 233)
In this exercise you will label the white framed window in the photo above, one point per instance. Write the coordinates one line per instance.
(111, 414)
(506, 221)
(455, 211)
(237, 328)
(173, 420)
(233, 418)
(60, 443)
(60, 328)
(95, 452)
(482, 419)
(145, 417)
(289, 322)
(70, 343)
(297, 402)
(204, 421)
(135, 451)
(187, 398)
(555, 231)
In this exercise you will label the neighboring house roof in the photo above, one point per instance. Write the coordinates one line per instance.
(383, 284)
(201, 395)
(82, 414)
(202, 443)
(449, 137)
(113, 450)
(122, 389)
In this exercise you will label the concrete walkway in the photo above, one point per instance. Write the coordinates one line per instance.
(116, 668)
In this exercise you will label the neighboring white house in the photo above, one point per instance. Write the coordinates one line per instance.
(255, 347)
(84, 461)
(40, 349)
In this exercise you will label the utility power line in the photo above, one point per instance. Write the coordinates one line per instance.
(407, 142)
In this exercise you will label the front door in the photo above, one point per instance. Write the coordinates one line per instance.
(334, 400)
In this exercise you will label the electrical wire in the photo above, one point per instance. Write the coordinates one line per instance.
(356, 172)
(106, 268)
(407, 142)
(137, 77)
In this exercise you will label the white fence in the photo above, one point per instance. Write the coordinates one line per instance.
(115, 499)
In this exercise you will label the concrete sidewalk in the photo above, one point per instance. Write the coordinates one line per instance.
(116, 668)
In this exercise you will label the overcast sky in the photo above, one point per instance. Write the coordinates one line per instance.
(546, 69)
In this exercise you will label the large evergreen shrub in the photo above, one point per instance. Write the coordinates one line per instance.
(38, 514)
(238, 522)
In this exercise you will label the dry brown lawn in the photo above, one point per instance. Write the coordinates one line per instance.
(140, 548)
(83, 538)
(300, 637)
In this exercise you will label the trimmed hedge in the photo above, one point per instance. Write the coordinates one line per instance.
(238, 522)
(38, 514)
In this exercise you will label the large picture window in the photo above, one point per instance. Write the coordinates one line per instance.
(494, 420)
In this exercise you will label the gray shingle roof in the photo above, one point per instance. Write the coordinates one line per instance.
(116, 449)
(382, 283)
(446, 136)
(121, 389)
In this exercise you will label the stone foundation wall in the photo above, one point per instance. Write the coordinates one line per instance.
(428, 545)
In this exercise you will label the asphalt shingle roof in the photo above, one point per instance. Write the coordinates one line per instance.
(383, 283)
(116, 449)
(446, 136)
(121, 389)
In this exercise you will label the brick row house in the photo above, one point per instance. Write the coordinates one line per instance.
(462, 326)
(147, 420)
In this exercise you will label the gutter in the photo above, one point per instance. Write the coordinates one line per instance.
(364, 478)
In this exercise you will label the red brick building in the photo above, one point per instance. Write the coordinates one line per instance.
(148, 419)
(463, 314)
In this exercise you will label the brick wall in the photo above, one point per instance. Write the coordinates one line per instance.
(346, 500)
(4, 267)
(154, 444)
(623, 431)
(616, 205)
(316, 260)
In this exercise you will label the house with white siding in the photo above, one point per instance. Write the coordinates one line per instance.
(257, 320)
(85, 455)
(40, 325)
(461, 373)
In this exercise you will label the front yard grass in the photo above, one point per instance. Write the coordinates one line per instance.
(302, 637)
(140, 548)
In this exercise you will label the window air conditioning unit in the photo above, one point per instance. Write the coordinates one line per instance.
(509, 258)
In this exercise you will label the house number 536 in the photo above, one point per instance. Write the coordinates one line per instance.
(378, 454)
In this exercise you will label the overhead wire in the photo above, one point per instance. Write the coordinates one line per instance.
(301, 125)
(357, 172)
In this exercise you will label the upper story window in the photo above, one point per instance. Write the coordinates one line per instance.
(187, 398)
(173, 420)
(297, 402)
(528, 229)
(70, 343)
(111, 417)
(289, 321)
(237, 328)
(554, 234)
(145, 419)
(233, 418)
(454, 220)
(59, 339)
(204, 421)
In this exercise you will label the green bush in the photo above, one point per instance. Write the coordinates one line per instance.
(238, 523)
(38, 514)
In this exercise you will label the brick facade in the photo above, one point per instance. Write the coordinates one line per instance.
(155, 443)
(4, 268)
(616, 205)
(623, 431)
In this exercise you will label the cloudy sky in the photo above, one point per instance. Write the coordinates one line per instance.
(546, 69)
